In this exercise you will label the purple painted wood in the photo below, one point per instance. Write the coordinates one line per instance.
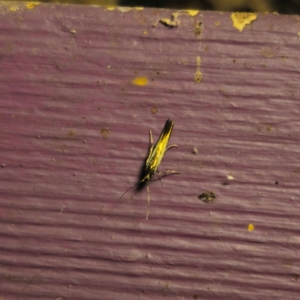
(75, 113)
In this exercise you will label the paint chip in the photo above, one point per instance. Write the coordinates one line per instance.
(124, 8)
(198, 76)
(173, 22)
(105, 133)
(192, 12)
(198, 73)
(267, 52)
(198, 29)
(154, 110)
(110, 7)
(14, 8)
(31, 5)
(207, 197)
(241, 19)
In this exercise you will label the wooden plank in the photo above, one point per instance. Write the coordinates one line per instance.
(80, 89)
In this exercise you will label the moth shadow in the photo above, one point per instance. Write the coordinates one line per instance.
(141, 184)
(142, 173)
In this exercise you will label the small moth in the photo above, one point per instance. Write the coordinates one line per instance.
(154, 158)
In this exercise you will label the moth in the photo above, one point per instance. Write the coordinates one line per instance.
(154, 158)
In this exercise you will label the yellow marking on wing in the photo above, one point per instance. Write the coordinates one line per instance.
(155, 155)
(158, 153)
(159, 149)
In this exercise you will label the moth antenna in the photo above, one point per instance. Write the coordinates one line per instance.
(129, 190)
(36, 275)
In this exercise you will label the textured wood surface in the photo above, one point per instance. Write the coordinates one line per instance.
(80, 89)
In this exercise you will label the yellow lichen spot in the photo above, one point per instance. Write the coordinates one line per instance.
(250, 227)
(299, 33)
(230, 177)
(110, 7)
(31, 5)
(145, 32)
(217, 23)
(139, 8)
(141, 81)
(192, 12)
(241, 19)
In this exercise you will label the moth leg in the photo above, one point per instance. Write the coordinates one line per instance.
(171, 146)
(150, 137)
(160, 175)
(168, 172)
(172, 172)
(157, 175)
(148, 192)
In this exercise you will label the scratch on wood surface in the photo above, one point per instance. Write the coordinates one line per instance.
(30, 281)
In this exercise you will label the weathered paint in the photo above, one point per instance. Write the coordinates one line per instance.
(60, 178)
